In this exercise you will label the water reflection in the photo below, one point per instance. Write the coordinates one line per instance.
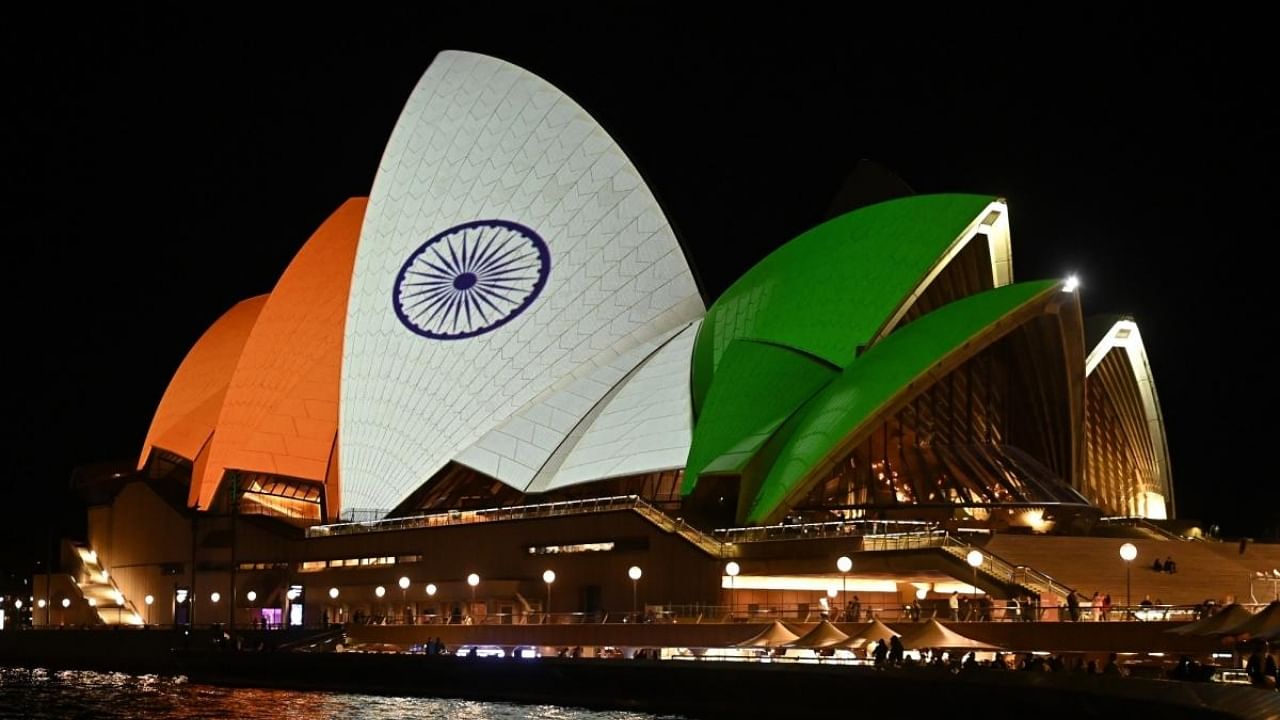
(54, 695)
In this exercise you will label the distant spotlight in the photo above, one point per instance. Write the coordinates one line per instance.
(1072, 283)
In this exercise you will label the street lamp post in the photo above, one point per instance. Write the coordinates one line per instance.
(431, 594)
(634, 573)
(404, 599)
(380, 592)
(975, 559)
(149, 600)
(732, 569)
(548, 577)
(1127, 553)
(473, 580)
(66, 603)
(333, 595)
(252, 597)
(844, 565)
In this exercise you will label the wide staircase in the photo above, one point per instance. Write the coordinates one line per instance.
(1089, 564)
(1024, 577)
(100, 590)
(703, 541)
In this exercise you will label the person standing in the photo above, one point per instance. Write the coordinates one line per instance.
(880, 653)
(896, 651)
(954, 603)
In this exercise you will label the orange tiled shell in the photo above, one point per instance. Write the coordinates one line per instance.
(189, 409)
(280, 414)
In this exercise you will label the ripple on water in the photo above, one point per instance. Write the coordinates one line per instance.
(39, 694)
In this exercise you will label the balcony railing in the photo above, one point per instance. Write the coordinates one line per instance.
(498, 514)
(810, 531)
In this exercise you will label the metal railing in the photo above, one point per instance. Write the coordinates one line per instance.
(468, 517)
(678, 526)
(526, 512)
(997, 567)
(834, 529)
(1143, 524)
(905, 541)
(873, 535)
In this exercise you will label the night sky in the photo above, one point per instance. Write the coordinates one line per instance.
(158, 168)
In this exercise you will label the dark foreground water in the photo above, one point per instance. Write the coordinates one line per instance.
(67, 695)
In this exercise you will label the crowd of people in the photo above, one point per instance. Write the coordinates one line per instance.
(892, 654)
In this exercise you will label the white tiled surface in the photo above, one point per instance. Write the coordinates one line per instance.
(480, 139)
(646, 426)
(519, 448)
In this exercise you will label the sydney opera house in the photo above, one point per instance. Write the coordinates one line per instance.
(500, 363)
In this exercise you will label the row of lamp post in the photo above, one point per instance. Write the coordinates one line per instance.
(473, 580)
(844, 564)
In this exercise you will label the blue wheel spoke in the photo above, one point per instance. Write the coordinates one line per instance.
(479, 310)
(432, 275)
(500, 296)
(429, 303)
(435, 250)
(493, 249)
(442, 272)
(480, 297)
(498, 286)
(439, 305)
(466, 306)
(501, 257)
(496, 267)
(429, 293)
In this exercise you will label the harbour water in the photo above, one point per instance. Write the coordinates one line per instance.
(62, 695)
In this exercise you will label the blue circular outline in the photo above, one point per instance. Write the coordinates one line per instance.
(544, 254)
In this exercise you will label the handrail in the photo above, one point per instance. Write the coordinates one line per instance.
(835, 528)
(467, 517)
(1142, 524)
(524, 512)
(704, 541)
(1022, 575)
(911, 534)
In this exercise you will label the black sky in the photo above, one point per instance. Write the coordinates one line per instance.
(160, 165)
